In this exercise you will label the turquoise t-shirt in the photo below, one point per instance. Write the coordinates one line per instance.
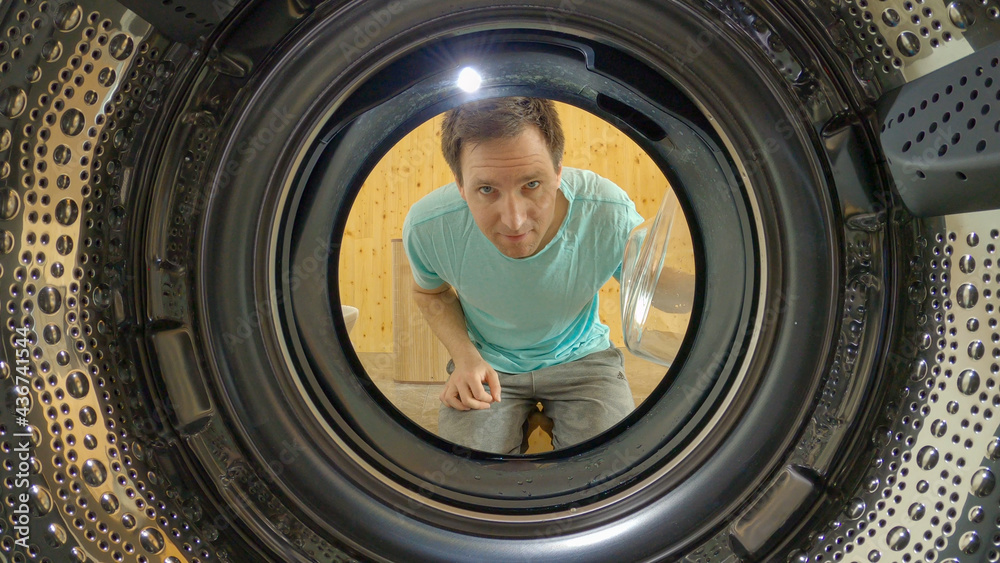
(525, 314)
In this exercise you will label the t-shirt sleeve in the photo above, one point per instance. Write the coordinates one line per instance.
(421, 263)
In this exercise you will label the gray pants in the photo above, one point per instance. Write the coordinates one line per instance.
(583, 398)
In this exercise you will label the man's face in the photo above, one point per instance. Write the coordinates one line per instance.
(512, 189)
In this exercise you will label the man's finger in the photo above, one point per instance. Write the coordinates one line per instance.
(451, 399)
(479, 392)
(470, 401)
(494, 382)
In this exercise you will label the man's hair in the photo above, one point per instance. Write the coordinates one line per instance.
(499, 118)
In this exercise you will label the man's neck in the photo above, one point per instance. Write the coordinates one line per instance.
(562, 207)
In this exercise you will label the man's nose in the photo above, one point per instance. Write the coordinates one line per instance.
(514, 213)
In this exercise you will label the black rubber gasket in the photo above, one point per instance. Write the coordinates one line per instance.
(357, 503)
(559, 71)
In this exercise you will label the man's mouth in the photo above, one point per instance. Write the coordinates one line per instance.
(515, 238)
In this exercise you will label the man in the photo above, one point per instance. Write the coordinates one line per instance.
(507, 263)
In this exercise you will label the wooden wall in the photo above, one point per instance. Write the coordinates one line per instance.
(415, 167)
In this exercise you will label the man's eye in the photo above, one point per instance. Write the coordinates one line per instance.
(486, 190)
(533, 184)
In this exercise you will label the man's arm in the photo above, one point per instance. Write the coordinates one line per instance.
(674, 291)
(464, 389)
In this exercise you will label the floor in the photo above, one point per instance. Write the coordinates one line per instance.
(419, 401)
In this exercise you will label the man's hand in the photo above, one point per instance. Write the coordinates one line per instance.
(465, 391)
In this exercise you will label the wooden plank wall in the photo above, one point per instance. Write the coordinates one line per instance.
(415, 167)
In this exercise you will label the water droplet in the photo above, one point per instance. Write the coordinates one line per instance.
(890, 17)
(919, 370)
(967, 295)
(33, 74)
(10, 203)
(171, 559)
(968, 381)
(917, 292)
(125, 372)
(908, 43)
(963, 17)
(12, 102)
(874, 556)
(64, 245)
(872, 484)
(62, 358)
(924, 341)
(898, 538)
(973, 324)
(62, 182)
(5, 139)
(938, 428)
(6, 242)
(36, 434)
(967, 264)
(90, 442)
(51, 334)
(882, 436)
(52, 50)
(128, 521)
(977, 514)
(55, 534)
(121, 46)
(151, 540)
(116, 217)
(977, 350)
(68, 16)
(94, 473)
(983, 482)
(106, 77)
(916, 511)
(49, 300)
(62, 155)
(79, 555)
(72, 122)
(67, 211)
(952, 407)
(969, 542)
(77, 385)
(993, 449)
(39, 500)
(855, 509)
(109, 503)
(927, 458)
(102, 296)
(923, 486)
